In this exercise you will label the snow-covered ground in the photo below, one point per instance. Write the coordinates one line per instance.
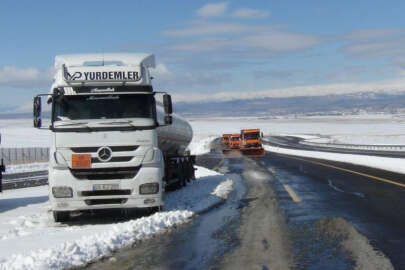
(29, 238)
(21, 133)
(366, 129)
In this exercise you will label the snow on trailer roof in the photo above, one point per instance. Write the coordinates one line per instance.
(89, 59)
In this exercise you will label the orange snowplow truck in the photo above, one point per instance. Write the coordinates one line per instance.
(234, 141)
(225, 139)
(251, 142)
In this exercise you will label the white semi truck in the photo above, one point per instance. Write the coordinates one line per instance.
(2, 169)
(114, 145)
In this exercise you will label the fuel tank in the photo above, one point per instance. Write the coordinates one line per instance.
(173, 139)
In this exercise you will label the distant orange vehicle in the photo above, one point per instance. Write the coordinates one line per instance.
(251, 142)
(225, 139)
(234, 141)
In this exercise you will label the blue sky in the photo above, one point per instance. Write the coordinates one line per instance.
(212, 49)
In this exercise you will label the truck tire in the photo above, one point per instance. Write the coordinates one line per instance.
(61, 216)
(153, 210)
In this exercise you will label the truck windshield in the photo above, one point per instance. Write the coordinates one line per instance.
(103, 107)
(251, 136)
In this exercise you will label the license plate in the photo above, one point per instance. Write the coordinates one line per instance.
(105, 186)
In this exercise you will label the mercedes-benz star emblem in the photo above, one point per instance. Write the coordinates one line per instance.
(104, 154)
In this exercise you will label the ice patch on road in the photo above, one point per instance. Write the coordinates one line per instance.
(223, 189)
(359, 194)
(29, 239)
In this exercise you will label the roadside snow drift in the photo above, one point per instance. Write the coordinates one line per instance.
(29, 239)
(384, 163)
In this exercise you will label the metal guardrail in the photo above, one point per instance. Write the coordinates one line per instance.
(398, 148)
(25, 179)
(24, 155)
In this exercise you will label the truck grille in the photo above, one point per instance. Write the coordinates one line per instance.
(106, 192)
(105, 201)
(124, 148)
(113, 159)
(105, 173)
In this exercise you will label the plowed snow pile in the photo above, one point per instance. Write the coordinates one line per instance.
(29, 239)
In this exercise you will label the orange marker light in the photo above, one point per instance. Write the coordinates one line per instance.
(81, 161)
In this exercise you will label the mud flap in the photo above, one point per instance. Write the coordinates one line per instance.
(253, 152)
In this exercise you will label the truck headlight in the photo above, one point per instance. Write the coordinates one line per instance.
(150, 154)
(60, 161)
(62, 192)
(149, 188)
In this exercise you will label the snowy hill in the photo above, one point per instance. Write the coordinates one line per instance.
(365, 102)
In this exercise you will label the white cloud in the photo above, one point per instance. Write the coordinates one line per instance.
(247, 13)
(391, 86)
(30, 76)
(200, 28)
(251, 44)
(212, 10)
(375, 43)
(239, 39)
(373, 34)
(164, 78)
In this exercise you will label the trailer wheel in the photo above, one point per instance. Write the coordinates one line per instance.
(61, 216)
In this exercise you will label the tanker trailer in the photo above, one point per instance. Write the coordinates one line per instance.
(114, 146)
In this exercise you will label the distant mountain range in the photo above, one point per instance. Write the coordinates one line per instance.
(365, 102)
(357, 103)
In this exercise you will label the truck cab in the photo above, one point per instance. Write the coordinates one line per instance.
(104, 117)
(225, 139)
(234, 141)
(251, 142)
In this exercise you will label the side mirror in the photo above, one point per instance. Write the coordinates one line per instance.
(2, 166)
(37, 112)
(168, 120)
(261, 134)
(37, 122)
(167, 104)
(37, 106)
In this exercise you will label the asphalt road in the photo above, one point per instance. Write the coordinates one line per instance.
(290, 214)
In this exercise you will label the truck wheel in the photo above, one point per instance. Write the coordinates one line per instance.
(61, 216)
(153, 210)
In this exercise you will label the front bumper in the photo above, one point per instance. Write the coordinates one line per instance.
(82, 188)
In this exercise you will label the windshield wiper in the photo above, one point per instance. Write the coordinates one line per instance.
(80, 127)
(117, 123)
(72, 124)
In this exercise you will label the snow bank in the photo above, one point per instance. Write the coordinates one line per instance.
(200, 196)
(91, 247)
(29, 239)
(201, 145)
(384, 163)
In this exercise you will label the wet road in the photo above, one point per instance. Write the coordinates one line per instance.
(284, 214)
